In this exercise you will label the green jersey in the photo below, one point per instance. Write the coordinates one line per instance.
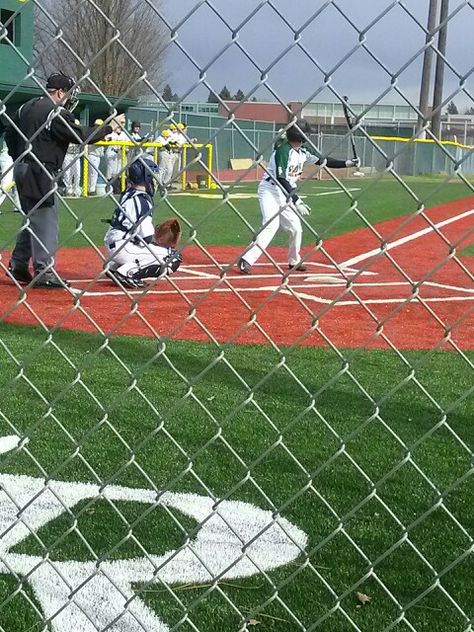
(287, 163)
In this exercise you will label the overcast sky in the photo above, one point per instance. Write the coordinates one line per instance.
(391, 42)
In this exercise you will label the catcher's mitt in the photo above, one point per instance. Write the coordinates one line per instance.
(168, 233)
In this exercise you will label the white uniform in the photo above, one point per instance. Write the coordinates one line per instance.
(113, 155)
(179, 139)
(94, 156)
(286, 165)
(165, 162)
(128, 238)
(7, 186)
(176, 141)
(72, 171)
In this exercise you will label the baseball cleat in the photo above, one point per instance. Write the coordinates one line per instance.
(21, 275)
(244, 266)
(297, 267)
(49, 281)
(125, 281)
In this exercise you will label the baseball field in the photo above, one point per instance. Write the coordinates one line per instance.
(338, 401)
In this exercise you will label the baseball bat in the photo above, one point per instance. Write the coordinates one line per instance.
(345, 101)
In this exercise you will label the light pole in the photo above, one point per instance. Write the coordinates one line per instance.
(439, 74)
(427, 66)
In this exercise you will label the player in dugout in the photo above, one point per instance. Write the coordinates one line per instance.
(280, 205)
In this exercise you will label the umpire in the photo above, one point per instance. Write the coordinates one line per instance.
(37, 140)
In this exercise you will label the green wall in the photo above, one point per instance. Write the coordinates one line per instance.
(13, 69)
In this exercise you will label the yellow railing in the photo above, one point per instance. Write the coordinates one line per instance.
(125, 145)
(422, 140)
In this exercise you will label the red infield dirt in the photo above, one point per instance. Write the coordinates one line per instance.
(418, 295)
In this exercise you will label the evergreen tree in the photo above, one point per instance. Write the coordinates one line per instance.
(225, 94)
(239, 95)
(212, 98)
(168, 93)
(452, 109)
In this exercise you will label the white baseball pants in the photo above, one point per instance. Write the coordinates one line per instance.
(165, 167)
(72, 174)
(128, 258)
(279, 214)
(94, 163)
(113, 164)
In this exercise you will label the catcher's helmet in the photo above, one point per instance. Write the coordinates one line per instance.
(142, 171)
(299, 131)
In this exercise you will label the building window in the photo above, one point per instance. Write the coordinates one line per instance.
(11, 23)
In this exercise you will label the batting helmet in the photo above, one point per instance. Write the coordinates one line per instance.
(142, 171)
(165, 133)
(98, 121)
(299, 131)
(172, 126)
(181, 125)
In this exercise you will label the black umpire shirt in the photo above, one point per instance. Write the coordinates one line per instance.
(50, 129)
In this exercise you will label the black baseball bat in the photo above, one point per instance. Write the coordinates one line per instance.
(345, 101)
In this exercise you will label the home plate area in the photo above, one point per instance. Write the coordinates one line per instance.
(418, 294)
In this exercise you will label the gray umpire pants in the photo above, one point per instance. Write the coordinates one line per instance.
(37, 239)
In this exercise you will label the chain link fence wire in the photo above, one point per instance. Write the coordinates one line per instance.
(180, 480)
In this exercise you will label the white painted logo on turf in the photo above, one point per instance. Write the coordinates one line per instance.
(235, 540)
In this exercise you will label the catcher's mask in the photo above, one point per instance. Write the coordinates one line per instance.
(60, 81)
(299, 131)
(141, 172)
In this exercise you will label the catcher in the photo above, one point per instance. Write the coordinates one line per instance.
(136, 248)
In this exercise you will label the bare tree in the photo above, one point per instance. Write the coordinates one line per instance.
(121, 43)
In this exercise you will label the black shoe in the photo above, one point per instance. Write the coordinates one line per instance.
(298, 267)
(244, 266)
(21, 275)
(49, 281)
(125, 281)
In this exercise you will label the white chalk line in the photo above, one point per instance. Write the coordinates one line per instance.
(295, 290)
(378, 301)
(404, 240)
(330, 192)
(192, 270)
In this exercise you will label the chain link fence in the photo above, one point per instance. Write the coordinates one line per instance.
(209, 451)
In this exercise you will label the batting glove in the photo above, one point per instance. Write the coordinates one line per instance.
(301, 207)
(355, 162)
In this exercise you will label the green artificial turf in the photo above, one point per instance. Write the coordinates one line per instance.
(370, 453)
(469, 251)
(215, 221)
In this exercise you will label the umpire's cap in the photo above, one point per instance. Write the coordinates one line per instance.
(60, 81)
(299, 131)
